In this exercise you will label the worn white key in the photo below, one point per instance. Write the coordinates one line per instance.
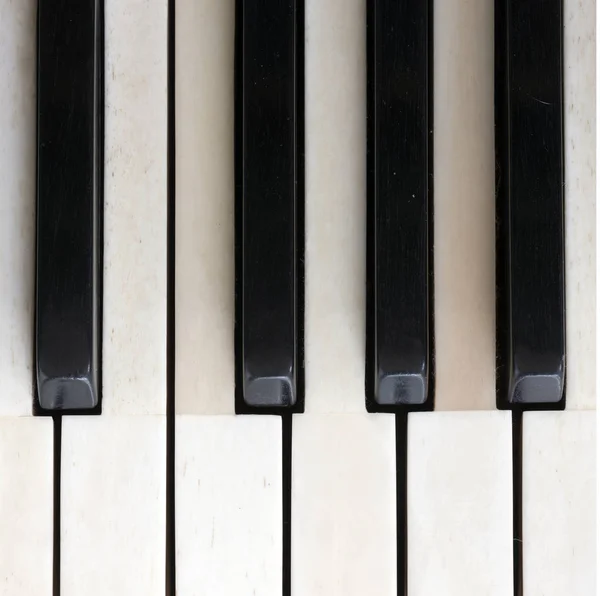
(580, 201)
(559, 448)
(26, 443)
(228, 505)
(204, 297)
(113, 505)
(17, 203)
(117, 461)
(559, 503)
(228, 470)
(459, 485)
(343, 505)
(464, 205)
(26, 498)
(459, 501)
(343, 461)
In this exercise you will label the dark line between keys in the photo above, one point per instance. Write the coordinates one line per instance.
(517, 461)
(57, 420)
(170, 576)
(286, 446)
(401, 513)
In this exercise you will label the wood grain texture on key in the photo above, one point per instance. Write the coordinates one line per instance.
(580, 201)
(464, 206)
(559, 503)
(204, 267)
(529, 150)
(269, 192)
(399, 192)
(17, 203)
(69, 204)
(459, 502)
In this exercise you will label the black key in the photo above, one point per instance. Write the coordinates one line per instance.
(269, 197)
(399, 205)
(69, 204)
(529, 146)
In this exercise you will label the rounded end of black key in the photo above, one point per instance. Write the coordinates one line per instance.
(269, 392)
(537, 385)
(532, 389)
(60, 394)
(401, 389)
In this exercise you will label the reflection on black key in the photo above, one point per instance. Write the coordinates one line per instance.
(529, 137)
(399, 194)
(69, 204)
(269, 194)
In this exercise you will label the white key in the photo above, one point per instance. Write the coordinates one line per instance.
(204, 300)
(559, 503)
(459, 499)
(113, 505)
(26, 443)
(17, 203)
(559, 448)
(580, 202)
(344, 505)
(464, 205)
(228, 482)
(343, 463)
(26, 498)
(228, 473)
(124, 450)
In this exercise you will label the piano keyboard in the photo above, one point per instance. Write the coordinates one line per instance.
(299, 298)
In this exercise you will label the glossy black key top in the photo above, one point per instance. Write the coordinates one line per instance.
(269, 196)
(399, 200)
(69, 204)
(529, 146)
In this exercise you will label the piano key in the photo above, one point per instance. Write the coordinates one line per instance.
(398, 189)
(26, 498)
(464, 208)
(69, 204)
(204, 170)
(559, 503)
(344, 529)
(558, 467)
(113, 507)
(269, 184)
(459, 480)
(459, 502)
(231, 464)
(228, 473)
(580, 204)
(127, 444)
(529, 143)
(335, 113)
(17, 203)
(343, 458)
(26, 443)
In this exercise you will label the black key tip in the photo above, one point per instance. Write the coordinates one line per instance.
(401, 389)
(536, 388)
(66, 393)
(269, 392)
